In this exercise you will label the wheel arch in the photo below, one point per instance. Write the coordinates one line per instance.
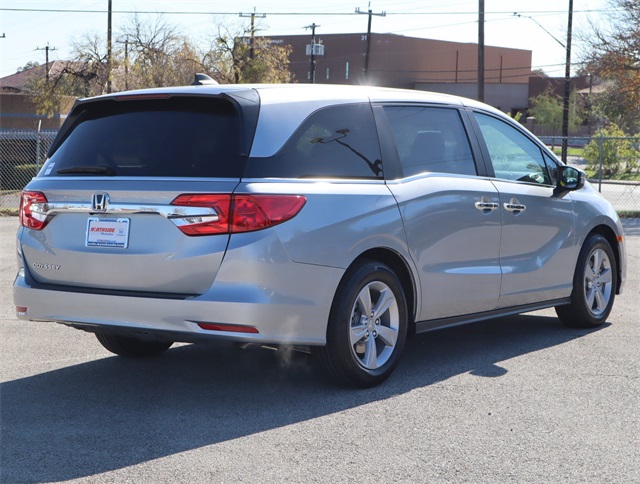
(609, 234)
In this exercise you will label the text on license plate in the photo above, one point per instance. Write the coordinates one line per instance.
(107, 232)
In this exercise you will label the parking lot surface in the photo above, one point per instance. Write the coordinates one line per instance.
(515, 399)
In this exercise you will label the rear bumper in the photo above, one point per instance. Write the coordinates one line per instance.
(286, 302)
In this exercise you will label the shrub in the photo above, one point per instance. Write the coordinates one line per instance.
(618, 153)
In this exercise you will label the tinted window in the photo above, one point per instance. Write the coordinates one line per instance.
(430, 140)
(340, 141)
(513, 155)
(178, 137)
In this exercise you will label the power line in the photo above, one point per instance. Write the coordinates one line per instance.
(192, 12)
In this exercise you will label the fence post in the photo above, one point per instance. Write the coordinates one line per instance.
(600, 169)
(38, 146)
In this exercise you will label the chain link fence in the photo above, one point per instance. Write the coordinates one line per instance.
(613, 165)
(21, 155)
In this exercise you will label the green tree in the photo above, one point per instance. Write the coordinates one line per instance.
(547, 109)
(82, 76)
(158, 54)
(27, 66)
(613, 54)
(238, 58)
(153, 53)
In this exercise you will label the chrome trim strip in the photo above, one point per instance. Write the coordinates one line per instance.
(172, 212)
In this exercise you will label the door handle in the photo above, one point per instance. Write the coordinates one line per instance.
(515, 207)
(487, 205)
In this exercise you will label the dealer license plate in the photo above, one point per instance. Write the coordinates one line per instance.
(107, 232)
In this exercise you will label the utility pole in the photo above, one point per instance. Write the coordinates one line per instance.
(47, 49)
(481, 51)
(312, 71)
(253, 16)
(567, 87)
(126, 63)
(109, 10)
(370, 13)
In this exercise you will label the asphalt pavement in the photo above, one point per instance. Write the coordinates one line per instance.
(515, 399)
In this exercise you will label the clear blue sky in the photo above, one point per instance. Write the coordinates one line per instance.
(31, 24)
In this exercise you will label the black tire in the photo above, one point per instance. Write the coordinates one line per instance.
(362, 350)
(132, 347)
(594, 285)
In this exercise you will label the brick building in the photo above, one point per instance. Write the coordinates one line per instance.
(414, 63)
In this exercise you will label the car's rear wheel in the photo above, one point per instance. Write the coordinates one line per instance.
(367, 327)
(131, 346)
(594, 285)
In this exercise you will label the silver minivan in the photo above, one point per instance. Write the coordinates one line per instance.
(337, 218)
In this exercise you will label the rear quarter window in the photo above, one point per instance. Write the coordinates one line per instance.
(175, 137)
(335, 142)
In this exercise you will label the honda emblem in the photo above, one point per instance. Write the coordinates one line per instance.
(100, 202)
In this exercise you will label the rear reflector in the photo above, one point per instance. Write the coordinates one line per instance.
(231, 328)
(21, 310)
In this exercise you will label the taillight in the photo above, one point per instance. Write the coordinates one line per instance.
(238, 213)
(31, 213)
(205, 225)
(255, 212)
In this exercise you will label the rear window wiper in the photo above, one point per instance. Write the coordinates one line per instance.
(87, 170)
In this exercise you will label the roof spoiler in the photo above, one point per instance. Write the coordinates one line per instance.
(203, 79)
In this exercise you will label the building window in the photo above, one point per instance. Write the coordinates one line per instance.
(308, 75)
(346, 70)
(327, 73)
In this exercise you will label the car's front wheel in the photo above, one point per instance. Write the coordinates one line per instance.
(131, 346)
(367, 327)
(594, 285)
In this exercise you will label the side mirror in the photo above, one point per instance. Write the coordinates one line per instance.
(569, 179)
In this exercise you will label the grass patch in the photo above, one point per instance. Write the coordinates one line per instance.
(593, 175)
(629, 214)
(9, 212)
(570, 151)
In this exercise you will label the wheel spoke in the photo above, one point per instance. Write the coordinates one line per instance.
(364, 299)
(590, 296)
(358, 333)
(605, 276)
(370, 354)
(389, 336)
(597, 261)
(384, 302)
(589, 273)
(601, 301)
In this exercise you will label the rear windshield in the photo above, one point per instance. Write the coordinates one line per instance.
(175, 137)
